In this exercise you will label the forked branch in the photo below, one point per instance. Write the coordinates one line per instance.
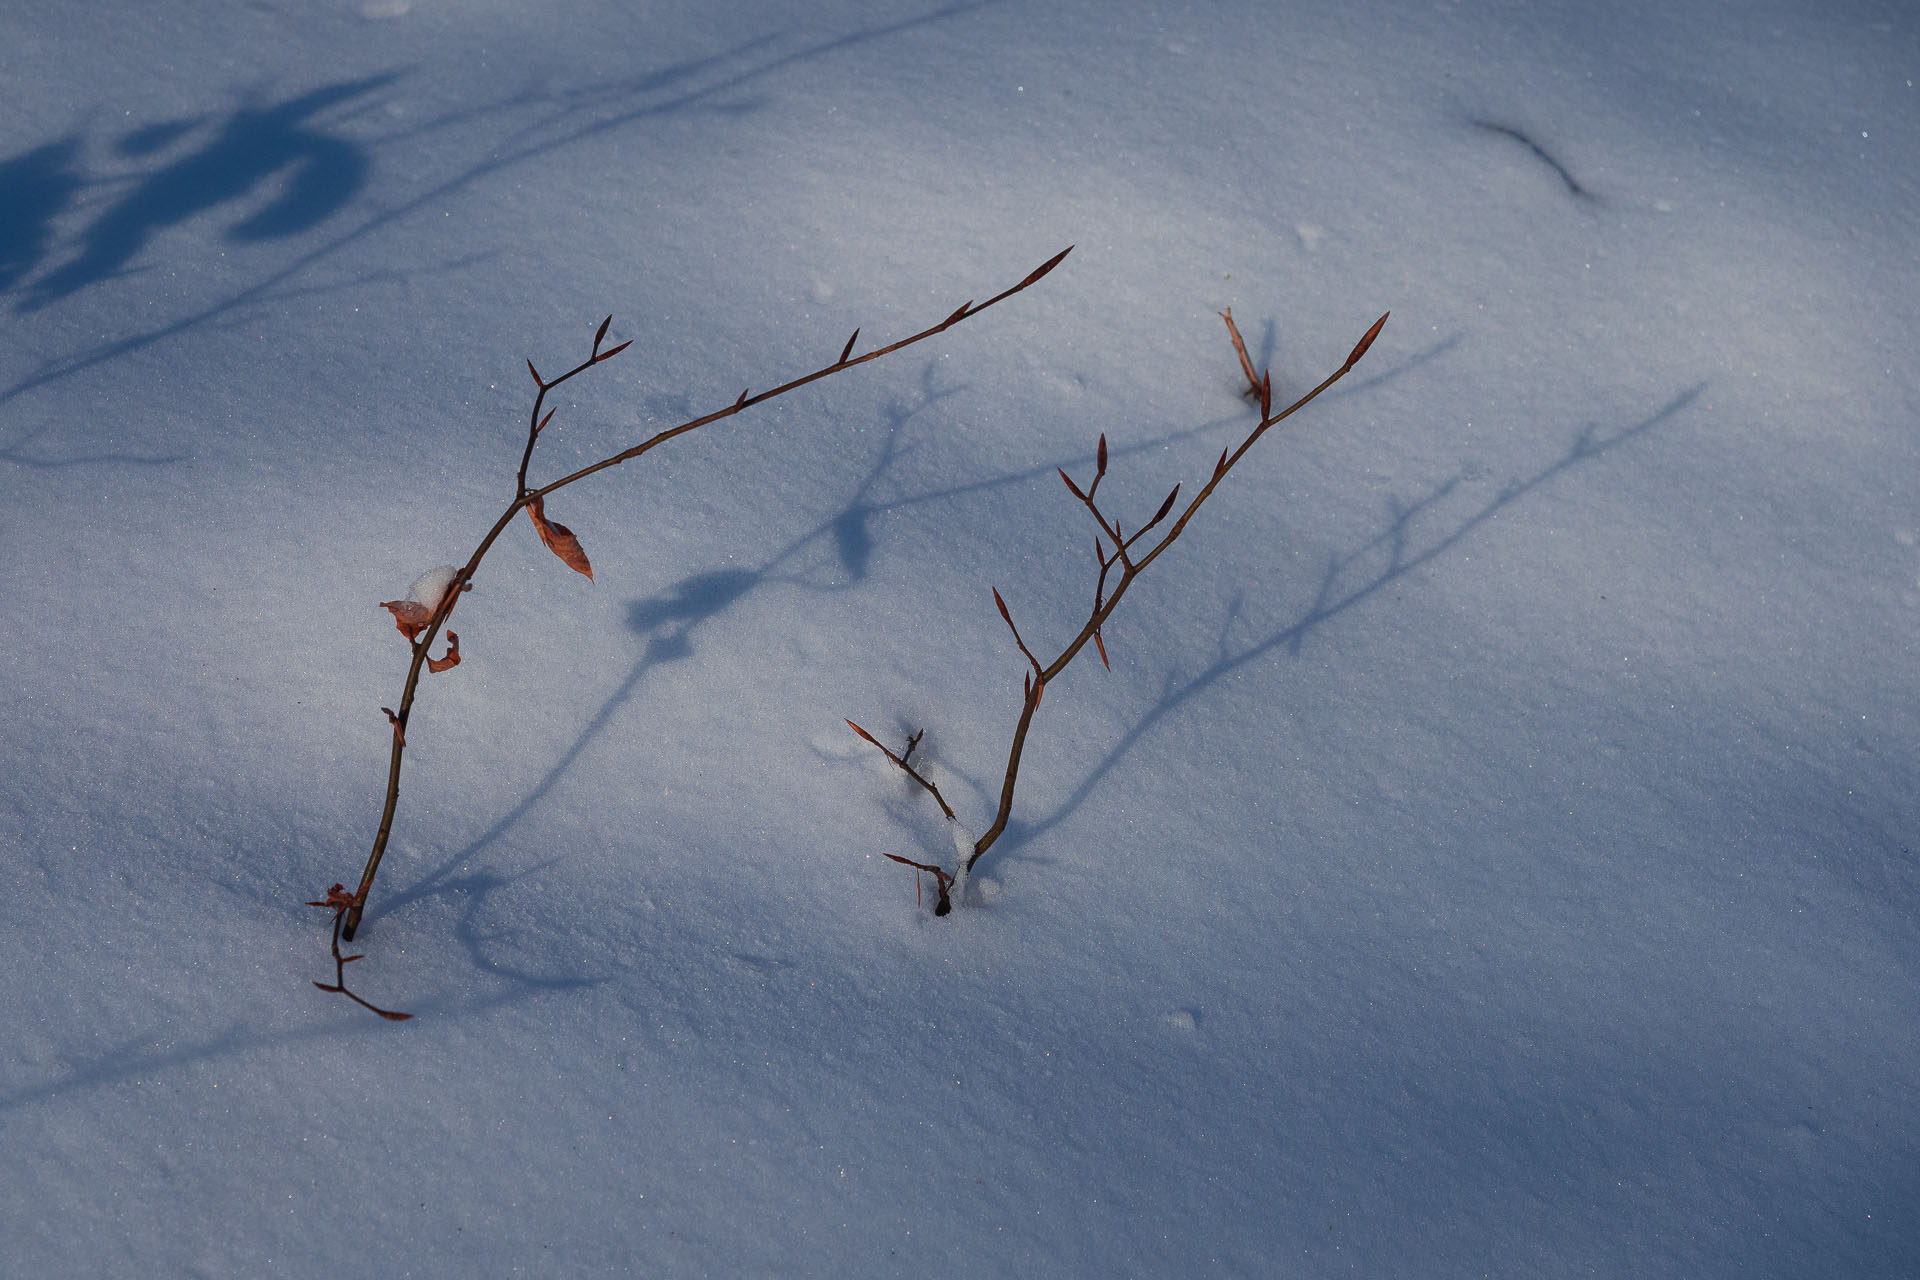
(420, 619)
(1120, 563)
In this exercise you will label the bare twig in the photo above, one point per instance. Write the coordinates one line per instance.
(340, 902)
(902, 759)
(940, 876)
(1130, 567)
(423, 624)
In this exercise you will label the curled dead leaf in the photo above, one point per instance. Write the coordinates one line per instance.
(410, 616)
(559, 538)
(452, 659)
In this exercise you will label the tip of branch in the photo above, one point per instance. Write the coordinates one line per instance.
(1046, 266)
(1266, 395)
(1002, 606)
(1165, 507)
(536, 376)
(1071, 486)
(1240, 350)
(611, 352)
(601, 335)
(1100, 456)
(1360, 348)
(862, 732)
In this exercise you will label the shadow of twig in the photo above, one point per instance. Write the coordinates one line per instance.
(1393, 554)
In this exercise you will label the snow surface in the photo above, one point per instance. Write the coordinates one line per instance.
(1491, 853)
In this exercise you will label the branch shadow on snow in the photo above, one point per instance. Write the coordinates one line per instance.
(1348, 580)
(331, 177)
(322, 173)
(832, 556)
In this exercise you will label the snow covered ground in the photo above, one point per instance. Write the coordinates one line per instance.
(1492, 852)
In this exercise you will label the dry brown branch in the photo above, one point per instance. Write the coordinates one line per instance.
(340, 902)
(940, 877)
(1121, 557)
(902, 760)
(421, 621)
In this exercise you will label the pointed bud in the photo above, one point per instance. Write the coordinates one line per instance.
(959, 315)
(536, 376)
(743, 398)
(601, 336)
(1045, 267)
(1100, 455)
(1101, 645)
(1002, 606)
(611, 352)
(848, 349)
(544, 421)
(1165, 507)
(1360, 348)
(1221, 465)
(1071, 486)
(1266, 395)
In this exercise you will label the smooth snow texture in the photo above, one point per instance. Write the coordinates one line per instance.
(1491, 852)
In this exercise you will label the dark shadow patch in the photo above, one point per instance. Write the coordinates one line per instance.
(321, 175)
(34, 189)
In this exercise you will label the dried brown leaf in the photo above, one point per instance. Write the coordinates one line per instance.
(559, 538)
(410, 616)
(450, 661)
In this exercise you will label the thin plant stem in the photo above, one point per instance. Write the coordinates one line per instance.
(526, 496)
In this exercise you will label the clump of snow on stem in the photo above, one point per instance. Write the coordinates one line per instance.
(433, 584)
